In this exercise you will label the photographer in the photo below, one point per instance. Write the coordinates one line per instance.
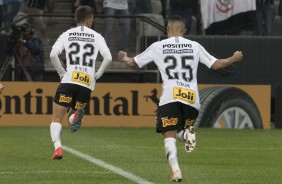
(31, 52)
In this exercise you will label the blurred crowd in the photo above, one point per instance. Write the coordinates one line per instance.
(15, 10)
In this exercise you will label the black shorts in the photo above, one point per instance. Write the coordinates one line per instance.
(72, 95)
(175, 116)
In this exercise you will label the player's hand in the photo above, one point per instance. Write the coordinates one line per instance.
(1, 88)
(238, 56)
(121, 55)
(21, 40)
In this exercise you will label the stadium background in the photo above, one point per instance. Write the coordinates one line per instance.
(261, 65)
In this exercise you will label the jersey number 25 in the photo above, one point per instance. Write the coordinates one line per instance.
(186, 70)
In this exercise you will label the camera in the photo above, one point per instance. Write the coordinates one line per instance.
(16, 33)
(13, 39)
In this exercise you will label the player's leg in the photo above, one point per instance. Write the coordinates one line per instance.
(71, 116)
(108, 23)
(190, 139)
(171, 154)
(62, 101)
(56, 129)
(188, 133)
(167, 123)
(75, 119)
(77, 112)
(124, 25)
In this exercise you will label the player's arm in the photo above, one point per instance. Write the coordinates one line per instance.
(222, 63)
(122, 56)
(54, 57)
(216, 64)
(107, 60)
(107, 57)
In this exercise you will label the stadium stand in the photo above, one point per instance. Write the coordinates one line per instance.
(62, 19)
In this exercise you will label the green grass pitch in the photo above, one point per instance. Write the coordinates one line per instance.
(222, 156)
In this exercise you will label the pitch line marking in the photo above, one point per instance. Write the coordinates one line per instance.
(107, 166)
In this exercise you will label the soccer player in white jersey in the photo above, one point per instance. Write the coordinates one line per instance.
(177, 59)
(81, 45)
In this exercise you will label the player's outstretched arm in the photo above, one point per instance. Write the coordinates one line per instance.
(1, 88)
(122, 56)
(222, 63)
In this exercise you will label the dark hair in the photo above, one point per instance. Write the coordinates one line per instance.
(176, 18)
(83, 13)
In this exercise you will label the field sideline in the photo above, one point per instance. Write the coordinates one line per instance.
(136, 155)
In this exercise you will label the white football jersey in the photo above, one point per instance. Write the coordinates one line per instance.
(177, 59)
(81, 45)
